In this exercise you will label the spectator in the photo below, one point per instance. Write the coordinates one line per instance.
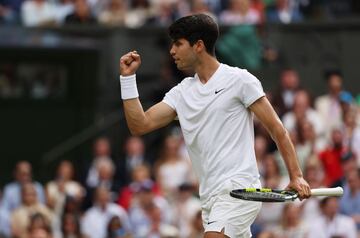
(102, 151)
(66, 225)
(10, 11)
(70, 226)
(185, 207)
(346, 101)
(38, 221)
(302, 111)
(259, 6)
(95, 220)
(39, 233)
(140, 177)
(20, 218)
(143, 202)
(200, 6)
(172, 170)
(328, 105)
(138, 14)
(314, 175)
(350, 201)
(134, 157)
(283, 98)
(239, 12)
(284, 12)
(97, 6)
(306, 142)
(5, 229)
(113, 14)
(261, 147)
(164, 14)
(12, 191)
(273, 178)
(331, 223)
(63, 8)
(351, 132)
(37, 13)
(8, 15)
(270, 213)
(115, 229)
(82, 14)
(63, 186)
(291, 225)
(105, 170)
(159, 228)
(331, 159)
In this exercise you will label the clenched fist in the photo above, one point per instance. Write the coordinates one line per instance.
(129, 63)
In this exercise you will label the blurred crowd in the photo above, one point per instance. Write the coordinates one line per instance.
(116, 196)
(136, 13)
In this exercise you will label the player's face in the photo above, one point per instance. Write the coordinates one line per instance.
(183, 54)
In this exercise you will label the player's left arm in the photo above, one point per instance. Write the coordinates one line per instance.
(270, 120)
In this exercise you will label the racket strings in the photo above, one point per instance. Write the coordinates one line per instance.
(267, 196)
(260, 196)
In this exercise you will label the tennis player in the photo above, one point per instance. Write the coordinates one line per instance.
(215, 109)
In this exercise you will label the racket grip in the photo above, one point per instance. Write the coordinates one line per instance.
(338, 191)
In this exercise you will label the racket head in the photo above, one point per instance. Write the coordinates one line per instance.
(264, 195)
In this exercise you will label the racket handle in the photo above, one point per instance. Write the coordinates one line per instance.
(338, 191)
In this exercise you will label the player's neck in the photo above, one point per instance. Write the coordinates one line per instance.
(206, 68)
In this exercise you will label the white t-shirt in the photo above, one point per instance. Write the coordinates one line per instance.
(218, 128)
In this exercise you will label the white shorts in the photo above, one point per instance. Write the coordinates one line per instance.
(231, 215)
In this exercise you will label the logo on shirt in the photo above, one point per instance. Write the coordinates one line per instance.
(218, 91)
(210, 222)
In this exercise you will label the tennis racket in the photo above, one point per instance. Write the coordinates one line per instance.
(278, 195)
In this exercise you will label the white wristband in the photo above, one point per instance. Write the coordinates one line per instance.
(128, 87)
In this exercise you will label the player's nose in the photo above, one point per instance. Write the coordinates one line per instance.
(172, 51)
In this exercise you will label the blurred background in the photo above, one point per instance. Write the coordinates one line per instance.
(69, 167)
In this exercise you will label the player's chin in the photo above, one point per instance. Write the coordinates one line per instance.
(182, 67)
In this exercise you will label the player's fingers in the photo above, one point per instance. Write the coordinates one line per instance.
(135, 56)
(126, 59)
(307, 191)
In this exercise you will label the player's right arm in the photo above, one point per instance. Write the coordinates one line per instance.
(140, 122)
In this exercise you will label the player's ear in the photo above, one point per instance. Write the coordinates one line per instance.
(199, 46)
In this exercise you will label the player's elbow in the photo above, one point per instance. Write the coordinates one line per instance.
(136, 132)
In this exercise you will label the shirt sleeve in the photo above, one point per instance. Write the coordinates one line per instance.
(250, 89)
(172, 97)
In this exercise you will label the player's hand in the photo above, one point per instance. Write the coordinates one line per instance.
(129, 63)
(299, 185)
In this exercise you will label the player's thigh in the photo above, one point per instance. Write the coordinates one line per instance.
(211, 234)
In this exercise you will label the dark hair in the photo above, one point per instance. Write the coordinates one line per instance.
(194, 28)
(332, 72)
(75, 219)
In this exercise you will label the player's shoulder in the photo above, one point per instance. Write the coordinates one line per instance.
(186, 83)
(242, 75)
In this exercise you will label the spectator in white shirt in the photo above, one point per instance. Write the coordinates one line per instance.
(95, 221)
(172, 170)
(38, 13)
(328, 105)
(331, 223)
